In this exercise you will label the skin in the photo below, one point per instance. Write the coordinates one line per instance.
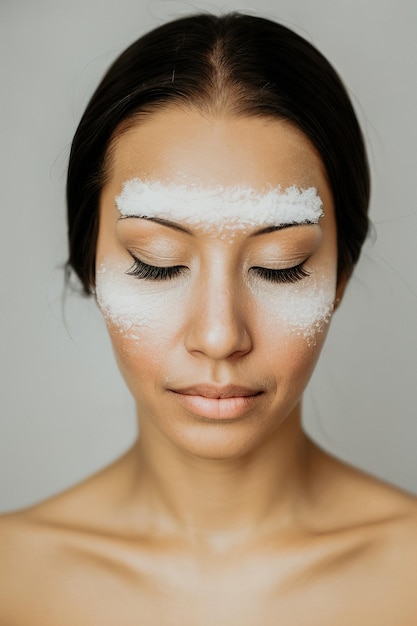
(242, 521)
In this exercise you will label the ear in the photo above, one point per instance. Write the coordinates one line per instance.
(340, 289)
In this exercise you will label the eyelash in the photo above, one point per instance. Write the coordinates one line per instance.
(143, 271)
(287, 275)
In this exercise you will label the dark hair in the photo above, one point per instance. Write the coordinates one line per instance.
(235, 64)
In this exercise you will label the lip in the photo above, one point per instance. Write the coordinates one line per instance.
(217, 402)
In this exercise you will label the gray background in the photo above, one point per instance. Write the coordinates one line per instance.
(64, 408)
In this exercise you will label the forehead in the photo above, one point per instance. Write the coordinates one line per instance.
(184, 147)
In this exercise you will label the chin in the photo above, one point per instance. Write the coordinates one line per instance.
(216, 440)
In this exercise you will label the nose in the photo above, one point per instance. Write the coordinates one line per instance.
(217, 325)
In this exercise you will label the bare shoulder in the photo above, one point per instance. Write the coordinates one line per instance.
(397, 519)
(35, 547)
(23, 554)
(367, 506)
(391, 561)
(382, 501)
(370, 528)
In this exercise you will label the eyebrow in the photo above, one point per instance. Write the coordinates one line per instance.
(262, 231)
(159, 220)
(272, 229)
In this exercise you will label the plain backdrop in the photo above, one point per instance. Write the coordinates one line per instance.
(65, 411)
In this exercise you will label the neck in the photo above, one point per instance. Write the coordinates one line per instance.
(240, 496)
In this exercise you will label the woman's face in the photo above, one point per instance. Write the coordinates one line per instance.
(216, 275)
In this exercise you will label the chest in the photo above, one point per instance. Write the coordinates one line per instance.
(180, 591)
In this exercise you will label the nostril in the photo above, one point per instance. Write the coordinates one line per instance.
(218, 337)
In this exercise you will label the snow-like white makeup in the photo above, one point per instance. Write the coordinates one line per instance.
(302, 307)
(221, 211)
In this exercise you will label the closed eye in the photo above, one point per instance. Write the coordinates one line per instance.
(285, 275)
(144, 271)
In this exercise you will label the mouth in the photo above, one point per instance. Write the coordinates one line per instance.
(217, 402)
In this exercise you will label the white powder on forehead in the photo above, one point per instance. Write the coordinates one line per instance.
(233, 207)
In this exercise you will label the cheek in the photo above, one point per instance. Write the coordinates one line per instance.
(122, 301)
(289, 350)
(143, 319)
(301, 309)
(292, 325)
(136, 307)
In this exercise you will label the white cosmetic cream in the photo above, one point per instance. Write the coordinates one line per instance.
(219, 209)
(303, 308)
(133, 304)
(136, 305)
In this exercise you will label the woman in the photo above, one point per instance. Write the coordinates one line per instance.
(217, 203)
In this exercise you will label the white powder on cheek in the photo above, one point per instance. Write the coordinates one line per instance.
(304, 308)
(124, 302)
(226, 208)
